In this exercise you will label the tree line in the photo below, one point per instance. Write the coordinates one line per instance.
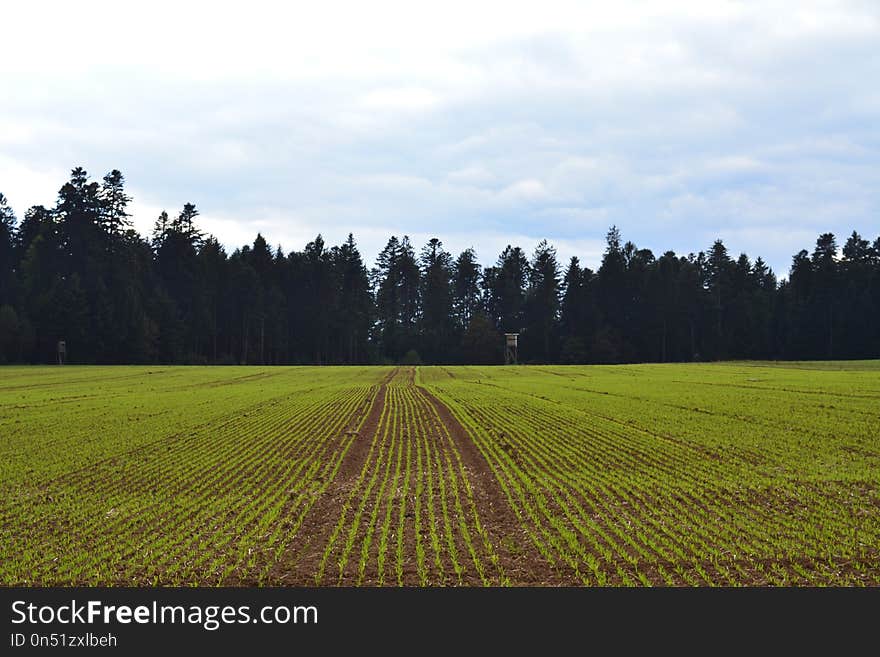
(79, 272)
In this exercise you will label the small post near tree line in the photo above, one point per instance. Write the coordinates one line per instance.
(511, 348)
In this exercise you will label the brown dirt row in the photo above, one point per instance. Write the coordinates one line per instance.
(407, 432)
(302, 557)
(518, 556)
(420, 423)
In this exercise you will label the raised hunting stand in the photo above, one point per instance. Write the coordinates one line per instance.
(510, 348)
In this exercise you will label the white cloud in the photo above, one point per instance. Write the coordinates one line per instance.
(24, 186)
(588, 218)
(524, 190)
(506, 120)
(400, 99)
(475, 174)
(735, 163)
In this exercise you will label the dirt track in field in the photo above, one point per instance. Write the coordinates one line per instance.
(518, 561)
(302, 557)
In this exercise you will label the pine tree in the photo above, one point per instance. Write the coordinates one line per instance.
(114, 216)
(542, 304)
(436, 320)
(572, 309)
(7, 254)
(465, 288)
(509, 279)
(160, 230)
(355, 302)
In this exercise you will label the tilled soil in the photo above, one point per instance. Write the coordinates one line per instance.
(453, 551)
(302, 558)
(520, 559)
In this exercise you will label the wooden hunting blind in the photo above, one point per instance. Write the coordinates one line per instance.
(511, 348)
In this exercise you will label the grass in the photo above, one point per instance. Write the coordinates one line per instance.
(700, 474)
(686, 474)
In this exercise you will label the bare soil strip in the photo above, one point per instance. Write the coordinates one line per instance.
(303, 555)
(519, 562)
(519, 558)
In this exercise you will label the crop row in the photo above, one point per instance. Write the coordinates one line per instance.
(99, 413)
(609, 501)
(215, 504)
(410, 517)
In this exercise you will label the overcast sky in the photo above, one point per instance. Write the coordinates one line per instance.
(482, 123)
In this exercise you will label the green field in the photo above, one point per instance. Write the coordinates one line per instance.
(698, 474)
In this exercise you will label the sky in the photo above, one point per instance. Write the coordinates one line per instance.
(481, 123)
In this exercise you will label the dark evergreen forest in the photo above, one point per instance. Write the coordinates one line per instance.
(79, 272)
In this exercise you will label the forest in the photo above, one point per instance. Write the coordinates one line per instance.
(79, 272)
